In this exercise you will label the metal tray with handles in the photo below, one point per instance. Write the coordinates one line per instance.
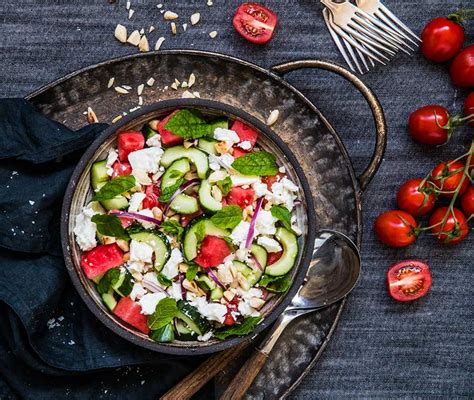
(335, 188)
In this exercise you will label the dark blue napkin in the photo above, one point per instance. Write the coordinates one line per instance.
(51, 345)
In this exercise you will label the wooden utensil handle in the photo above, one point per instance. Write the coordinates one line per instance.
(203, 374)
(245, 376)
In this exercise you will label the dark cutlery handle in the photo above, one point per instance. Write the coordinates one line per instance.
(370, 97)
(246, 375)
(204, 373)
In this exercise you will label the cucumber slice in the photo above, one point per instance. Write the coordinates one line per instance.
(205, 283)
(208, 145)
(175, 172)
(164, 334)
(217, 293)
(190, 243)
(117, 203)
(184, 333)
(206, 199)
(192, 318)
(109, 300)
(184, 204)
(124, 285)
(260, 254)
(148, 132)
(159, 243)
(196, 156)
(99, 174)
(289, 242)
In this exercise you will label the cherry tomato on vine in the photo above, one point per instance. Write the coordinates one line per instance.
(414, 201)
(255, 22)
(408, 280)
(396, 228)
(462, 68)
(442, 39)
(469, 107)
(455, 227)
(467, 201)
(430, 125)
(447, 176)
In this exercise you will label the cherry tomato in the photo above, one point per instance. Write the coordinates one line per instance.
(442, 39)
(255, 22)
(455, 228)
(462, 68)
(467, 201)
(414, 201)
(408, 280)
(447, 176)
(469, 107)
(396, 228)
(427, 125)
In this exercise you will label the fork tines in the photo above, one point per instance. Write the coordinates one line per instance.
(367, 33)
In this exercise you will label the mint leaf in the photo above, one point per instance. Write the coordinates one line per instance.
(164, 334)
(225, 185)
(275, 284)
(169, 191)
(164, 313)
(200, 232)
(115, 187)
(227, 218)
(110, 278)
(247, 326)
(173, 228)
(282, 214)
(191, 272)
(163, 280)
(136, 227)
(110, 225)
(189, 124)
(260, 163)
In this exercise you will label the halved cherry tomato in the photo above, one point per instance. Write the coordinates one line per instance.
(414, 201)
(396, 228)
(129, 142)
(121, 168)
(274, 257)
(240, 196)
(446, 176)
(455, 228)
(469, 107)
(270, 180)
(255, 22)
(408, 280)
(426, 125)
(152, 194)
(442, 39)
(462, 68)
(467, 201)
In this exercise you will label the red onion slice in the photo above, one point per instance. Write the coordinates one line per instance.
(215, 278)
(134, 215)
(251, 232)
(180, 190)
(153, 287)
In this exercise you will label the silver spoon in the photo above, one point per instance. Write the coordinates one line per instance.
(332, 274)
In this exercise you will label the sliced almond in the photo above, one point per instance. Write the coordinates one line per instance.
(177, 82)
(185, 27)
(184, 84)
(170, 15)
(216, 193)
(130, 13)
(126, 257)
(159, 42)
(111, 83)
(108, 240)
(91, 117)
(273, 117)
(118, 117)
(151, 29)
(142, 31)
(129, 4)
(121, 33)
(229, 296)
(187, 95)
(196, 94)
(243, 283)
(183, 268)
(153, 124)
(187, 144)
(123, 244)
(173, 28)
(191, 80)
(140, 89)
(217, 176)
(157, 213)
(134, 38)
(127, 87)
(195, 18)
(121, 90)
(143, 45)
(150, 82)
(213, 34)
(174, 86)
(255, 302)
(140, 100)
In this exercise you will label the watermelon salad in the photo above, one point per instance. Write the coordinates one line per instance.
(191, 228)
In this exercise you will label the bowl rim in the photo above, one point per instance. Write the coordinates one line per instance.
(105, 316)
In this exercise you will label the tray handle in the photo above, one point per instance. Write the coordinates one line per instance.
(377, 112)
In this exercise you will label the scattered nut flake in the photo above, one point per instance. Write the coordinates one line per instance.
(134, 109)
(195, 18)
(209, 3)
(142, 31)
(127, 87)
(150, 82)
(140, 100)
(151, 29)
(143, 45)
(165, 88)
(121, 33)
(162, 11)
(159, 42)
(170, 15)
(174, 86)
(121, 90)
(187, 95)
(213, 34)
(116, 119)
(177, 82)
(173, 28)
(31, 202)
(91, 117)
(140, 89)
(159, 5)
(184, 84)
(128, 4)
(134, 38)
(191, 80)
(185, 26)
(196, 94)
(111, 83)
(272, 118)
(130, 13)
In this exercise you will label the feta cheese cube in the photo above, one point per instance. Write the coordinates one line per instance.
(205, 337)
(140, 251)
(260, 189)
(246, 310)
(175, 291)
(226, 135)
(239, 234)
(271, 245)
(154, 141)
(146, 159)
(136, 267)
(149, 302)
(245, 145)
(111, 158)
(241, 180)
(170, 270)
(211, 311)
(135, 202)
(85, 229)
(137, 291)
(265, 223)
(148, 213)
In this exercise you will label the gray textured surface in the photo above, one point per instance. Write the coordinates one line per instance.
(381, 349)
